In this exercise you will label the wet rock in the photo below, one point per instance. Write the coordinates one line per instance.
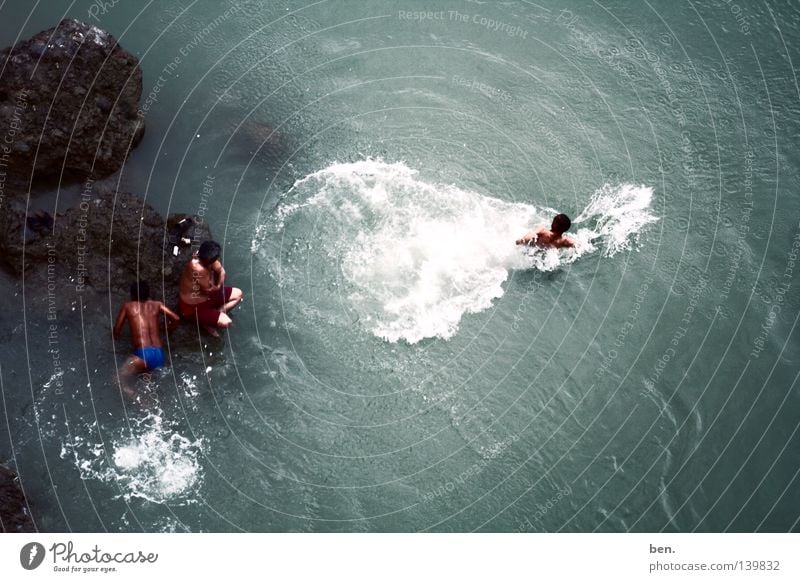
(246, 134)
(14, 513)
(109, 240)
(103, 103)
(69, 98)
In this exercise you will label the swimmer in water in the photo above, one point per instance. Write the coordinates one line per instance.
(553, 237)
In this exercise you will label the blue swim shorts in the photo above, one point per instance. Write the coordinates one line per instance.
(153, 357)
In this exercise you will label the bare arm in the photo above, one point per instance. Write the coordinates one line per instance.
(168, 312)
(174, 317)
(121, 317)
(529, 238)
(220, 276)
(566, 242)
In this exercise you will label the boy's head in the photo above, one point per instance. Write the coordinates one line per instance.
(561, 224)
(140, 291)
(209, 252)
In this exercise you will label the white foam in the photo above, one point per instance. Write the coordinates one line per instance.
(188, 385)
(615, 216)
(153, 463)
(417, 256)
(157, 464)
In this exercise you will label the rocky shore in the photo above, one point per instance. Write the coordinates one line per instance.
(14, 513)
(69, 112)
(69, 103)
(110, 239)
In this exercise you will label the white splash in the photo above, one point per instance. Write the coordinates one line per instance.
(615, 216)
(416, 256)
(153, 462)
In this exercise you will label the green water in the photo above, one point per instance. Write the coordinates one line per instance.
(654, 388)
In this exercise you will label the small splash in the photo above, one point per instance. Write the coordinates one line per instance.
(55, 379)
(414, 257)
(153, 462)
(188, 385)
(615, 217)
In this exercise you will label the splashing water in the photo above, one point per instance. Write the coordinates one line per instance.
(615, 216)
(414, 257)
(153, 463)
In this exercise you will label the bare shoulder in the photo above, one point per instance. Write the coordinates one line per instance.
(152, 306)
(192, 265)
(127, 310)
(566, 242)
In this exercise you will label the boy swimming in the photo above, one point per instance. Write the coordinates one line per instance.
(553, 237)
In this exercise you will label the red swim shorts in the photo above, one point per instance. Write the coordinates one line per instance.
(207, 313)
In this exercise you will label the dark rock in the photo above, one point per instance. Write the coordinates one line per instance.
(109, 240)
(103, 103)
(88, 131)
(40, 222)
(248, 134)
(259, 135)
(14, 513)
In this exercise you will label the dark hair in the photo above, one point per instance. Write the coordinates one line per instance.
(561, 223)
(140, 291)
(209, 251)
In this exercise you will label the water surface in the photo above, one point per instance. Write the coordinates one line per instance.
(398, 363)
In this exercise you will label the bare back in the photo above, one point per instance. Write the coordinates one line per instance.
(196, 282)
(143, 319)
(547, 238)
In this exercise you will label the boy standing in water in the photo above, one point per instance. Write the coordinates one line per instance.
(203, 295)
(142, 314)
(553, 237)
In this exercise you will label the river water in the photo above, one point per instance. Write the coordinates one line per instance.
(398, 363)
